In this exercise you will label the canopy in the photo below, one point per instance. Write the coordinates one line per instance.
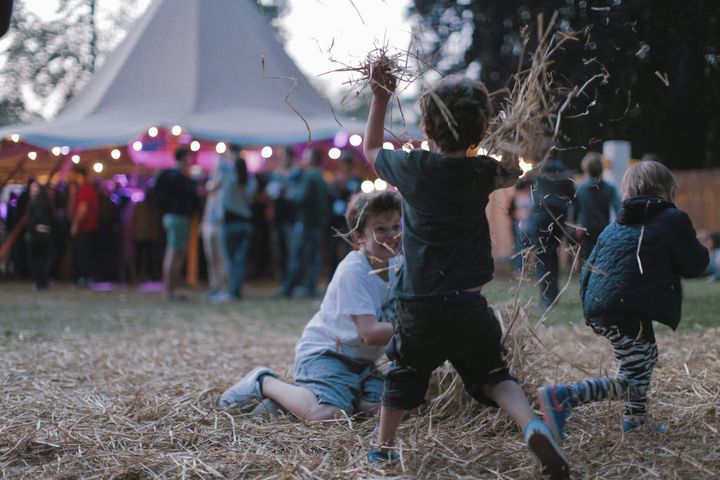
(215, 68)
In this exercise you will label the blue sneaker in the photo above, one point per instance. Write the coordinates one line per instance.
(380, 457)
(555, 407)
(631, 425)
(246, 392)
(540, 441)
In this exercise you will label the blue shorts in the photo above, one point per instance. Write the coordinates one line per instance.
(177, 228)
(338, 380)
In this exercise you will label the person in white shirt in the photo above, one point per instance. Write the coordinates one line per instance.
(335, 358)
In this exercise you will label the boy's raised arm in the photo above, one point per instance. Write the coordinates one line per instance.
(382, 85)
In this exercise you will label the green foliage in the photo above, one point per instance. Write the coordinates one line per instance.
(630, 38)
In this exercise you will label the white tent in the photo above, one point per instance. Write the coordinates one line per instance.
(214, 67)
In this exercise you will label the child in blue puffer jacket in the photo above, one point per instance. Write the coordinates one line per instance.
(631, 278)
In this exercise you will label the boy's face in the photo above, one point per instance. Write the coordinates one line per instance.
(380, 238)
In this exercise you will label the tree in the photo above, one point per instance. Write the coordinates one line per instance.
(663, 92)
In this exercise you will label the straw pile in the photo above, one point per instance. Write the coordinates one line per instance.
(141, 405)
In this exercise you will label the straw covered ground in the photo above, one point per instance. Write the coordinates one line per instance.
(121, 385)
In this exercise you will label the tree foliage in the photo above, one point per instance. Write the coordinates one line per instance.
(663, 57)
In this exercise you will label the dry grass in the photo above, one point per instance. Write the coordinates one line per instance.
(136, 405)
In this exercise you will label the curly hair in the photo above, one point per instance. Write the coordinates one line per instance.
(456, 112)
(363, 205)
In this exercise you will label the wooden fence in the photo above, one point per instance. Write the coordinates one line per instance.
(699, 195)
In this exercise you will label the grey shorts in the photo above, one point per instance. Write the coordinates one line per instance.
(339, 380)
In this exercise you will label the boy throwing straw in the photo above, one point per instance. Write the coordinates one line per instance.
(442, 313)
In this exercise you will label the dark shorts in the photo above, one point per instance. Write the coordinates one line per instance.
(427, 333)
(339, 380)
(177, 228)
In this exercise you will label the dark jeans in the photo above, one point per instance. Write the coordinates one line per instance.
(587, 242)
(237, 239)
(304, 261)
(84, 252)
(40, 246)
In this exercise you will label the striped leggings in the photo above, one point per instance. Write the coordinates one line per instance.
(636, 357)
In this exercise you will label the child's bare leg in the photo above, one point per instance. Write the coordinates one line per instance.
(299, 401)
(390, 419)
(367, 407)
(512, 400)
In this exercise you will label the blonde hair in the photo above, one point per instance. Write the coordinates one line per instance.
(647, 177)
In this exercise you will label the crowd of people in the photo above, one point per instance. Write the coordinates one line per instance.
(274, 224)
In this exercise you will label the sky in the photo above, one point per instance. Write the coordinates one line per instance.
(317, 30)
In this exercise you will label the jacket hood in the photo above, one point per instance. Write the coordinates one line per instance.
(638, 209)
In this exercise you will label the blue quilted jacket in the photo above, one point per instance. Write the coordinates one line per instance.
(636, 265)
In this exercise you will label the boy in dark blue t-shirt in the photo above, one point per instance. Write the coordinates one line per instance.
(441, 313)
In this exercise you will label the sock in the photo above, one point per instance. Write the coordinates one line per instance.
(601, 388)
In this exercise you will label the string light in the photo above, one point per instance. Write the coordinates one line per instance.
(176, 130)
(221, 147)
(98, 167)
(194, 145)
(388, 146)
(367, 186)
(15, 137)
(153, 131)
(32, 155)
(355, 140)
(137, 145)
(266, 152)
(64, 150)
(380, 184)
(115, 154)
(334, 153)
(76, 159)
(56, 151)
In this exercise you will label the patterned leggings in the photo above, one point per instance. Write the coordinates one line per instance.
(636, 357)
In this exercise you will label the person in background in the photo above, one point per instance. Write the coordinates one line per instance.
(176, 195)
(147, 237)
(712, 243)
(311, 203)
(344, 185)
(238, 190)
(553, 191)
(260, 257)
(281, 192)
(520, 207)
(84, 227)
(212, 235)
(40, 224)
(594, 201)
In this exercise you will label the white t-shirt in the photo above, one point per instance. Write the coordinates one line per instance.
(352, 291)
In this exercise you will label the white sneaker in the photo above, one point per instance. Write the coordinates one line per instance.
(246, 392)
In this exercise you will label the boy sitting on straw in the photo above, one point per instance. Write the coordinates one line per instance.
(441, 313)
(632, 278)
(335, 358)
